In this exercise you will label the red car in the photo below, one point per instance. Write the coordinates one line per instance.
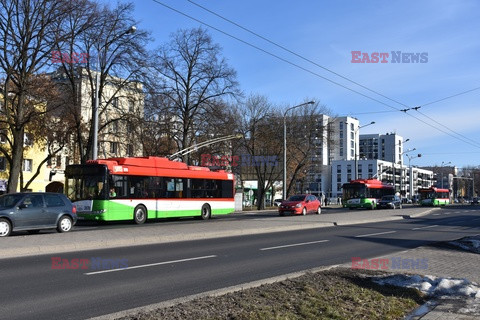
(300, 204)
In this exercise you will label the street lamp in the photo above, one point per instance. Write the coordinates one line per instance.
(285, 146)
(401, 166)
(97, 98)
(355, 143)
(441, 168)
(411, 173)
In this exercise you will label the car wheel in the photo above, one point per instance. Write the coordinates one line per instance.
(281, 214)
(64, 224)
(5, 227)
(140, 215)
(319, 210)
(304, 211)
(206, 212)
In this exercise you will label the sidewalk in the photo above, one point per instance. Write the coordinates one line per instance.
(445, 262)
(121, 235)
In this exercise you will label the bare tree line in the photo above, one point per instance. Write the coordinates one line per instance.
(191, 94)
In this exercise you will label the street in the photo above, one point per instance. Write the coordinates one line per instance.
(33, 289)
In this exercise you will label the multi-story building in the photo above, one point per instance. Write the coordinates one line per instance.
(335, 140)
(388, 147)
(406, 180)
(117, 136)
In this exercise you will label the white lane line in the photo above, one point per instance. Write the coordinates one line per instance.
(436, 214)
(151, 265)
(449, 212)
(293, 245)
(435, 225)
(475, 219)
(374, 234)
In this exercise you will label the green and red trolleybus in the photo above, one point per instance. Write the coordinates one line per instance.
(142, 188)
(365, 193)
(433, 196)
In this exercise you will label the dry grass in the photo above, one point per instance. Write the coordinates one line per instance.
(334, 294)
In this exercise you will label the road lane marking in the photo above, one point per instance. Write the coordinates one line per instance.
(151, 265)
(374, 234)
(436, 214)
(435, 225)
(293, 245)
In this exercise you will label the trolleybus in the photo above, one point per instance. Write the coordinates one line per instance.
(433, 196)
(365, 193)
(142, 188)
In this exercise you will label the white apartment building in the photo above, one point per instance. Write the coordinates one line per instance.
(406, 180)
(388, 147)
(336, 139)
(380, 156)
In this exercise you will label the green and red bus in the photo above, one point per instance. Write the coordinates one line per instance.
(433, 196)
(141, 188)
(365, 193)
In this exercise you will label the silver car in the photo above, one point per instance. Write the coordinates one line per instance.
(34, 211)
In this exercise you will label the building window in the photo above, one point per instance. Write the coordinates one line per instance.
(113, 147)
(341, 152)
(58, 162)
(131, 106)
(28, 140)
(370, 168)
(352, 127)
(339, 169)
(115, 103)
(27, 165)
(349, 168)
(130, 150)
(3, 164)
(3, 136)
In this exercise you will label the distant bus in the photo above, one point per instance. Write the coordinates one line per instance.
(365, 193)
(139, 188)
(434, 196)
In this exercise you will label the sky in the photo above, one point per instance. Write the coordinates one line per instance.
(320, 35)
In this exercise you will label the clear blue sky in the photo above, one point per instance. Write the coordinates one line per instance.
(326, 32)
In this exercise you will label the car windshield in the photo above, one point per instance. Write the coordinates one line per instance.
(388, 198)
(9, 200)
(296, 198)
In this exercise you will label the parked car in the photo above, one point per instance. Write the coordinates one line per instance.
(300, 204)
(33, 211)
(390, 202)
(474, 201)
(277, 202)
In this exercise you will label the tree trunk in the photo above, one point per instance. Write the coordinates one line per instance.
(16, 165)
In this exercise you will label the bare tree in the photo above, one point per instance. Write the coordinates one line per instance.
(261, 123)
(28, 34)
(194, 77)
(116, 51)
(261, 146)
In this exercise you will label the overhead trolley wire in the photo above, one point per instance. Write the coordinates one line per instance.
(318, 75)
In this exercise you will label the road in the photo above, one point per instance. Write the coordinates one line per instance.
(32, 289)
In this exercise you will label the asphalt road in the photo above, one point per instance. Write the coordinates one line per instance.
(32, 289)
